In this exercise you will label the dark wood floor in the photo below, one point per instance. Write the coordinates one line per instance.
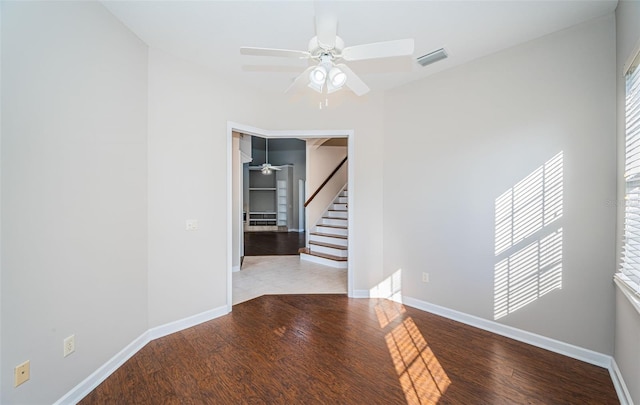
(330, 349)
(273, 243)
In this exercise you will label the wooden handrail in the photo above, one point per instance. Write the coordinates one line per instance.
(324, 183)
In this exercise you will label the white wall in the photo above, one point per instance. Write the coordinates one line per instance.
(321, 161)
(74, 252)
(187, 180)
(627, 331)
(456, 141)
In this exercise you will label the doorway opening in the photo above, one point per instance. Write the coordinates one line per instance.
(237, 213)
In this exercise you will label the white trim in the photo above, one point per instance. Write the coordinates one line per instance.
(235, 269)
(90, 383)
(627, 291)
(181, 324)
(360, 294)
(350, 204)
(556, 346)
(631, 58)
(87, 385)
(296, 230)
(229, 216)
(618, 382)
(264, 133)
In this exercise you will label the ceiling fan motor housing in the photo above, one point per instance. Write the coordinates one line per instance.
(316, 49)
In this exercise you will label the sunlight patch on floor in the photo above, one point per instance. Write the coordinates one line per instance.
(421, 376)
(388, 311)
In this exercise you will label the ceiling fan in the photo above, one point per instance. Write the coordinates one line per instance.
(266, 166)
(328, 53)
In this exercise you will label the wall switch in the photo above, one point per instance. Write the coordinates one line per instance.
(22, 373)
(425, 277)
(69, 345)
(191, 225)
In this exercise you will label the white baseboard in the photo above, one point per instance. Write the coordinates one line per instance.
(90, 383)
(360, 294)
(556, 346)
(235, 268)
(618, 382)
(566, 349)
(181, 324)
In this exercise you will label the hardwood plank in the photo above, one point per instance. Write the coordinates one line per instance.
(273, 243)
(319, 349)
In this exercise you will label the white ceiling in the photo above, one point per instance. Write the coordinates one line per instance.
(211, 32)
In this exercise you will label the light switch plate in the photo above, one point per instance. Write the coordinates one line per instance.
(69, 345)
(191, 225)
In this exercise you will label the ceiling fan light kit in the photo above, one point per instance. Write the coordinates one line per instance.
(328, 49)
(337, 78)
(327, 73)
(318, 75)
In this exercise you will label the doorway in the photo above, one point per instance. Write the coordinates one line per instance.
(235, 217)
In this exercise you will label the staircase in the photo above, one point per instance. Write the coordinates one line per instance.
(328, 241)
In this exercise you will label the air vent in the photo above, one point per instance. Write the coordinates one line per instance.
(432, 57)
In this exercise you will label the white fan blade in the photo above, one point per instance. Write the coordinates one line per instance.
(388, 49)
(267, 167)
(271, 68)
(326, 28)
(300, 81)
(353, 81)
(286, 53)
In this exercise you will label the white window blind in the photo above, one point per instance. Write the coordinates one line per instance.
(630, 263)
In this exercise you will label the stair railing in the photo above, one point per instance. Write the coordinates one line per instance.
(324, 183)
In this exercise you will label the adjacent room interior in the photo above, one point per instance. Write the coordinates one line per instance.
(273, 215)
(273, 252)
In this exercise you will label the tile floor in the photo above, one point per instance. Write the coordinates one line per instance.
(262, 275)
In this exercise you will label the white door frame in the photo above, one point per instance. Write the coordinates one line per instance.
(264, 133)
(302, 216)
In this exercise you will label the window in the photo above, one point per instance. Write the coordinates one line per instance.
(630, 263)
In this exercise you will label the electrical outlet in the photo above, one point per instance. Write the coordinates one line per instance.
(191, 225)
(425, 277)
(69, 345)
(22, 373)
